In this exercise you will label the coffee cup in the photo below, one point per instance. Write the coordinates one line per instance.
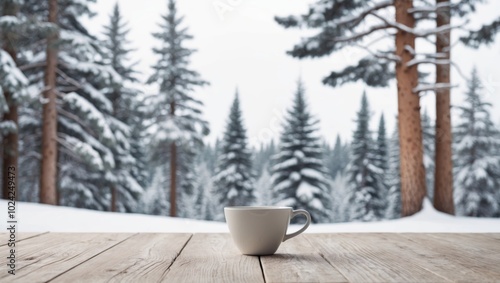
(259, 230)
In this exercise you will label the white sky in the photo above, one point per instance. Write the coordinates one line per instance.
(246, 49)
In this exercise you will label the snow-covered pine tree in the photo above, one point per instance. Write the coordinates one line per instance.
(477, 158)
(13, 85)
(298, 173)
(264, 187)
(393, 178)
(342, 24)
(84, 131)
(335, 161)
(429, 144)
(234, 180)
(262, 157)
(381, 147)
(175, 123)
(125, 121)
(367, 188)
(206, 205)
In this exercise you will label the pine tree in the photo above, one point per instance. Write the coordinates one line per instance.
(12, 91)
(381, 147)
(125, 188)
(477, 158)
(83, 128)
(264, 188)
(234, 181)
(343, 23)
(335, 160)
(298, 171)
(429, 143)
(176, 121)
(393, 178)
(365, 177)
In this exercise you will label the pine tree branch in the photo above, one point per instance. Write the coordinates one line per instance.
(68, 78)
(431, 9)
(432, 87)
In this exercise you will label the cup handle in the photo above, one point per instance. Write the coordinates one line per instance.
(295, 213)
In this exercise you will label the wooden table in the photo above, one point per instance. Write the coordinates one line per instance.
(144, 257)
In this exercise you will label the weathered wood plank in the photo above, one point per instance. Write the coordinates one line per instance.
(476, 241)
(143, 257)
(362, 258)
(427, 257)
(213, 258)
(19, 236)
(42, 258)
(297, 260)
(464, 256)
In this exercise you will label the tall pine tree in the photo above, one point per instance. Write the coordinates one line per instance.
(365, 176)
(381, 147)
(234, 181)
(13, 85)
(477, 158)
(393, 178)
(298, 172)
(429, 145)
(83, 114)
(125, 188)
(175, 115)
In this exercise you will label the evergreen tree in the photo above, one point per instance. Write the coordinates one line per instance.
(393, 178)
(429, 144)
(365, 177)
(234, 181)
(85, 128)
(12, 91)
(335, 162)
(477, 158)
(263, 187)
(381, 147)
(343, 23)
(298, 171)
(175, 115)
(125, 188)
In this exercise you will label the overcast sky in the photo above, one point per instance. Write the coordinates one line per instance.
(245, 48)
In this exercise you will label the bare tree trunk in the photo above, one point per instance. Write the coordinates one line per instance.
(173, 171)
(48, 176)
(10, 141)
(410, 130)
(443, 178)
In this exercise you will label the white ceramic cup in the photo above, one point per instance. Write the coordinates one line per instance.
(259, 230)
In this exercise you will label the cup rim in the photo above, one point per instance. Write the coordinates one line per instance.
(257, 208)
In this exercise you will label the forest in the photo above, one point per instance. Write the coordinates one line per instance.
(80, 132)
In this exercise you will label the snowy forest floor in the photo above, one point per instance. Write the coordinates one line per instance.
(33, 217)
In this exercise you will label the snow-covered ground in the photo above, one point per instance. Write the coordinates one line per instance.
(40, 218)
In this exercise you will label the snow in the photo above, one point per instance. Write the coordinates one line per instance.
(305, 192)
(33, 217)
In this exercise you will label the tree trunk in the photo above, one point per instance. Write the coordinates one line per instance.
(48, 176)
(173, 171)
(113, 198)
(10, 141)
(173, 179)
(443, 176)
(410, 130)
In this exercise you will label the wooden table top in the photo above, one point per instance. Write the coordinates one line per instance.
(149, 257)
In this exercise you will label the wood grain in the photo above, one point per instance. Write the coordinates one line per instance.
(143, 257)
(42, 258)
(297, 260)
(19, 236)
(483, 262)
(214, 258)
(431, 258)
(362, 258)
